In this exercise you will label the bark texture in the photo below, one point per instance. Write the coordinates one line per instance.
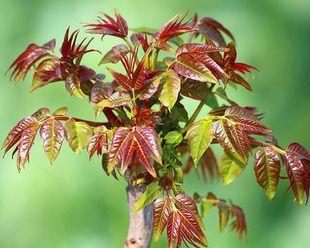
(141, 223)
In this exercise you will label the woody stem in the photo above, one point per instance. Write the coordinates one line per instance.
(141, 223)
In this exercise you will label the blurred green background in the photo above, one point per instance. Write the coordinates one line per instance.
(73, 203)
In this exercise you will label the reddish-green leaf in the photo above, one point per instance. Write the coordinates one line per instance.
(267, 170)
(52, 135)
(73, 85)
(116, 150)
(42, 114)
(187, 204)
(229, 213)
(115, 54)
(116, 99)
(48, 71)
(199, 48)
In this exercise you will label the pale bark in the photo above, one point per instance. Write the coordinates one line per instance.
(141, 223)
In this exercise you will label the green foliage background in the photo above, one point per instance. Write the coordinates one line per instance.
(73, 203)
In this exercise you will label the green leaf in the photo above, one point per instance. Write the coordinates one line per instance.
(174, 138)
(61, 111)
(151, 193)
(230, 168)
(171, 88)
(78, 134)
(199, 137)
(207, 203)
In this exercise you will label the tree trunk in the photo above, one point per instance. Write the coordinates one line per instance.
(141, 223)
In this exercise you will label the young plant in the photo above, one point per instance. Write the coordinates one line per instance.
(149, 137)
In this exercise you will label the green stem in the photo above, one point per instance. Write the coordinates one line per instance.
(154, 59)
(128, 44)
(196, 113)
(198, 109)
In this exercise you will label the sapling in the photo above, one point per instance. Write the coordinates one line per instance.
(149, 138)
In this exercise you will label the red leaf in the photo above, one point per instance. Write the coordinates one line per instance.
(299, 150)
(298, 173)
(231, 67)
(212, 29)
(195, 89)
(234, 129)
(139, 142)
(15, 134)
(26, 60)
(173, 28)
(199, 48)
(162, 209)
(100, 91)
(70, 49)
(97, 143)
(122, 80)
(174, 234)
(188, 66)
(115, 54)
(227, 211)
(121, 136)
(25, 144)
(148, 138)
(239, 223)
(140, 38)
(108, 26)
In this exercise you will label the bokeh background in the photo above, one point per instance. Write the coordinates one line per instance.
(73, 203)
